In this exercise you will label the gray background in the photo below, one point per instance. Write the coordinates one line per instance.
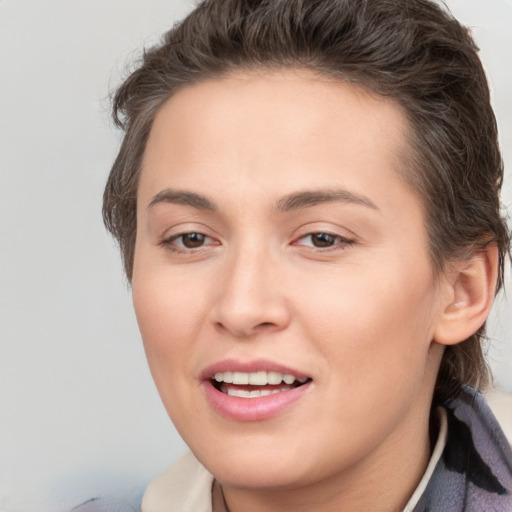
(78, 410)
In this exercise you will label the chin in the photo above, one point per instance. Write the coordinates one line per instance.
(248, 474)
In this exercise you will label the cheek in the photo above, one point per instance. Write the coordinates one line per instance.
(377, 324)
(167, 321)
(375, 344)
(169, 325)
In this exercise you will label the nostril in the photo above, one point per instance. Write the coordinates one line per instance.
(249, 318)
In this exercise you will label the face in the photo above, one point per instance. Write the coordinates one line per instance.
(282, 282)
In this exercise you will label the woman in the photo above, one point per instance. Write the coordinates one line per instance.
(307, 204)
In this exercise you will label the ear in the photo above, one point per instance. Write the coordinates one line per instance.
(472, 285)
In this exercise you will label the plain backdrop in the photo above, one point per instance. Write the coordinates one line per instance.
(79, 413)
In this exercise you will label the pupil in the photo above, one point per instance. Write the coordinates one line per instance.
(322, 239)
(193, 240)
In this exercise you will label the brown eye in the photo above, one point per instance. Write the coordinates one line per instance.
(323, 239)
(192, 240)
(188, 241)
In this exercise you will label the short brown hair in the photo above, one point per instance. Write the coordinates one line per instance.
(412, 51)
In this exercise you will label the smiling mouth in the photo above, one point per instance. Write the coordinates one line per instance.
(256, 384)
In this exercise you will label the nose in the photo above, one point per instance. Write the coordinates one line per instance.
(252, 295)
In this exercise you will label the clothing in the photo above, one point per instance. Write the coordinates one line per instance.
(470, 469)
(475, 472)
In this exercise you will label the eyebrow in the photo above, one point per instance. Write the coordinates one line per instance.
(310, 198)
(291, 202)
(182, 197)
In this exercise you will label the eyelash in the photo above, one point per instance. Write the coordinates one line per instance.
(170, 243)
(336, 242)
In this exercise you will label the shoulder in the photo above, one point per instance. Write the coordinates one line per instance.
(186, 486)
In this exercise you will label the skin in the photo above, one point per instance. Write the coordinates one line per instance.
(358, 316)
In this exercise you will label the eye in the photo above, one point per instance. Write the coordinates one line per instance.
(191, 240)
(322, 240)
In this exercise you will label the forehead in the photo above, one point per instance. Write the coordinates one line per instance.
(288, 127)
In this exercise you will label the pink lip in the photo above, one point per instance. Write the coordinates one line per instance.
(250, 409)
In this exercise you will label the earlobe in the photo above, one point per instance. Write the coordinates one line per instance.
(472, 288)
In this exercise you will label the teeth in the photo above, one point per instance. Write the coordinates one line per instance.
(226, 377)
(274, 378)
(288, 379)
(261, 378)
(258, 378)
(242, 393)
(240, 378)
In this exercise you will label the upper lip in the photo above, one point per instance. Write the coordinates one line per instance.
(255, 365)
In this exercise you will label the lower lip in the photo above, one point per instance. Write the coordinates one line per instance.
(252, 409)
